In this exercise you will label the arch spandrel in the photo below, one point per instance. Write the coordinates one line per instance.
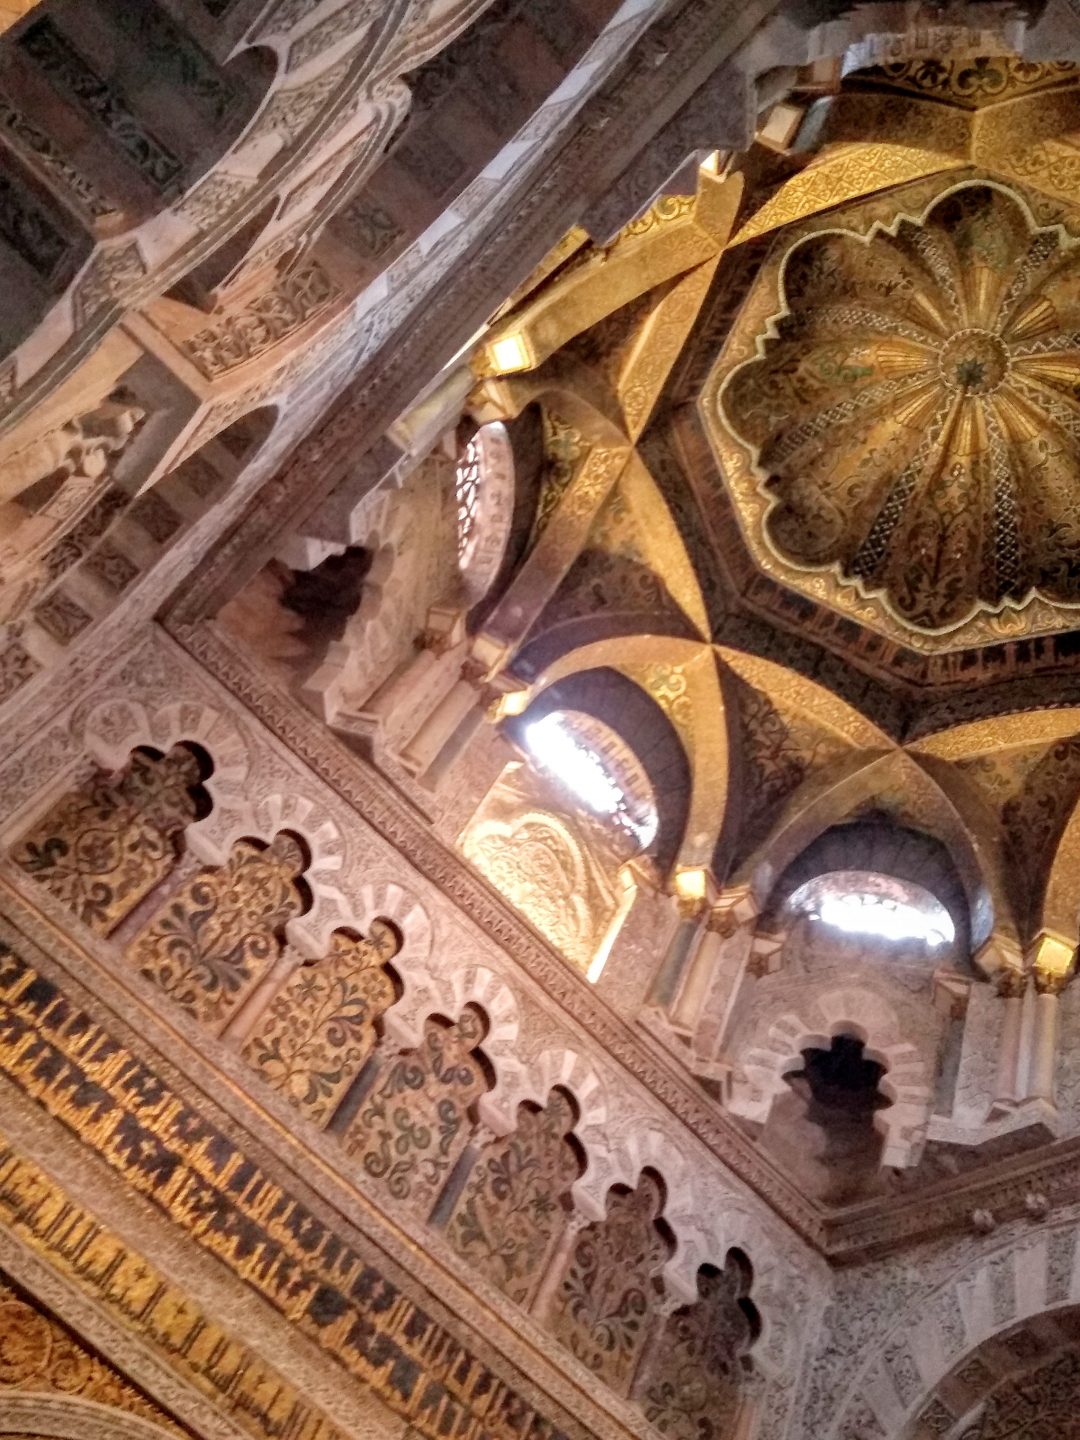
(676, 235)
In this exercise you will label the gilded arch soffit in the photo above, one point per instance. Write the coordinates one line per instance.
(894, 784)
(633, 562)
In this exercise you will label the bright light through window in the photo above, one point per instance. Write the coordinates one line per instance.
(581, 771)
(467, 495)
(866, 913)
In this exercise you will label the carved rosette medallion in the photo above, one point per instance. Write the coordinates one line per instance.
(904, 440)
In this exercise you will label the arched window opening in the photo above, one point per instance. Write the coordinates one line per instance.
(824, 1130)
(877, 888)
(859, 902)
(484, 507)
(597, 769)
(467, 484)
(326, 597)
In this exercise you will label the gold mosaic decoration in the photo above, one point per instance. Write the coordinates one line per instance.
(972, 82)
(909, 426)
(211, 945)
(103, 848)
(320, 1028)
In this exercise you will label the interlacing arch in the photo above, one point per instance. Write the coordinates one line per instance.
(887, 1378)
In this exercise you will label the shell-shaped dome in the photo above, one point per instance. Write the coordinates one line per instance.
(914, 411)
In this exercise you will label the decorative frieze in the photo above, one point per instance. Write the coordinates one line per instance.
(74, 79)
(129, 1114)
(17, 666)
(243, 335)
(336, 27)
(109, 277)
(42, 151)
(62, 617)
(36, 1211)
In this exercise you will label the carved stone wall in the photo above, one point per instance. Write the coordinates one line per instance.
(445, 965)
(320, 1027)
(208, 946)
(514, 1208)
(415, 1121)
(102, 848)
(608, 1300)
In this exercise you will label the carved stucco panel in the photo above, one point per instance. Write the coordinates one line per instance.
(444, 963)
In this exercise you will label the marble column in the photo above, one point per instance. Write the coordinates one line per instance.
(1041, 1074)
(681, 951)
(1011, 985)
(406, 684)
(697, 979)
(559, 1260)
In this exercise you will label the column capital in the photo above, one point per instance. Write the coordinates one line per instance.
(1049, 982)
(951, 993)
(1011, 983)
(475, 673)
(998, 953)
(444, 628)
(577, 1222)
(1050, 958)
(734, 907)
(694, 889)
(482, 1135)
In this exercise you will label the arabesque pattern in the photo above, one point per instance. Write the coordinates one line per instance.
(604, 1309)
(416, 1121)
(215, 940)
(320, 1027)
(103, 847)
(912, 412)
(515, 1205)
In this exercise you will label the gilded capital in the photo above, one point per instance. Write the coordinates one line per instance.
(1050, 982)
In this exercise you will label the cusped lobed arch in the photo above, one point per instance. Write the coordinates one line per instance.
(112, 729)
(773, 1048)
(448, 994)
